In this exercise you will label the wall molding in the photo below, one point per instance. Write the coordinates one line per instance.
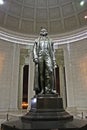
(24, 39)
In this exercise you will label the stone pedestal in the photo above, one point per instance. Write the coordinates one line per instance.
(47, 107)
(46, 113)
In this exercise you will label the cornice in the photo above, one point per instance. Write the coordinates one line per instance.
(14, 37)
(65, 38)
(72, 37)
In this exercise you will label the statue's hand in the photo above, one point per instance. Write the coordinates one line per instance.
(55, 65)
(36, 60)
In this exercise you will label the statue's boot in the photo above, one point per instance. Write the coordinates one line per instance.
(42, 92)
(52, 92)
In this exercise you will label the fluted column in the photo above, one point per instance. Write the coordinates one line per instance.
(62, 85)
(20, 89)
(31, 80)
(60, 63)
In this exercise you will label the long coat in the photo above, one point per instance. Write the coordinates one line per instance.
(35, 56)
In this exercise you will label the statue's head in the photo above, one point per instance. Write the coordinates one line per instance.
(43, 32)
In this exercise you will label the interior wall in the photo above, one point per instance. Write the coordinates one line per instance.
(75, 60)
(9, 69)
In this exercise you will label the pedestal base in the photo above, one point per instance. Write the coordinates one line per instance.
(18, 124)
(46, 113)
(47, 107)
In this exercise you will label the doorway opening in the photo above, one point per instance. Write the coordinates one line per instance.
(57, 80)
(25, 87)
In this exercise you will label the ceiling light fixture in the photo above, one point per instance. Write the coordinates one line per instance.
(82, 3)
(1, 2)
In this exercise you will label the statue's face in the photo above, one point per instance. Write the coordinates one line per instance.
(43, 32)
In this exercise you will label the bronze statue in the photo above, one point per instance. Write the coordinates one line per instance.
(44, 58)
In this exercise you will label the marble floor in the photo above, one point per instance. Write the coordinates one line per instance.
(4, 116)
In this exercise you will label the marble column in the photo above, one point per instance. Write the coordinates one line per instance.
(62, 85)
(60, 62)
(20, 88)
(31, 80)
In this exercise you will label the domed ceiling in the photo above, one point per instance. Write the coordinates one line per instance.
(28, 16)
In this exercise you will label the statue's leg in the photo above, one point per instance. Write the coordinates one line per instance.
(41, 73)
(48, 75)
(47, 82)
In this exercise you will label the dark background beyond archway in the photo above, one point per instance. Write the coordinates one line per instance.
(25, 83)
(57, 84)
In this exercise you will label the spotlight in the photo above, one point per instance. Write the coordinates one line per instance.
(34, 100)
(1, 2)
(82, 3)
(85, 16)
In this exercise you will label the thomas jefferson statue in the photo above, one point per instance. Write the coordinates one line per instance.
(44, 58)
